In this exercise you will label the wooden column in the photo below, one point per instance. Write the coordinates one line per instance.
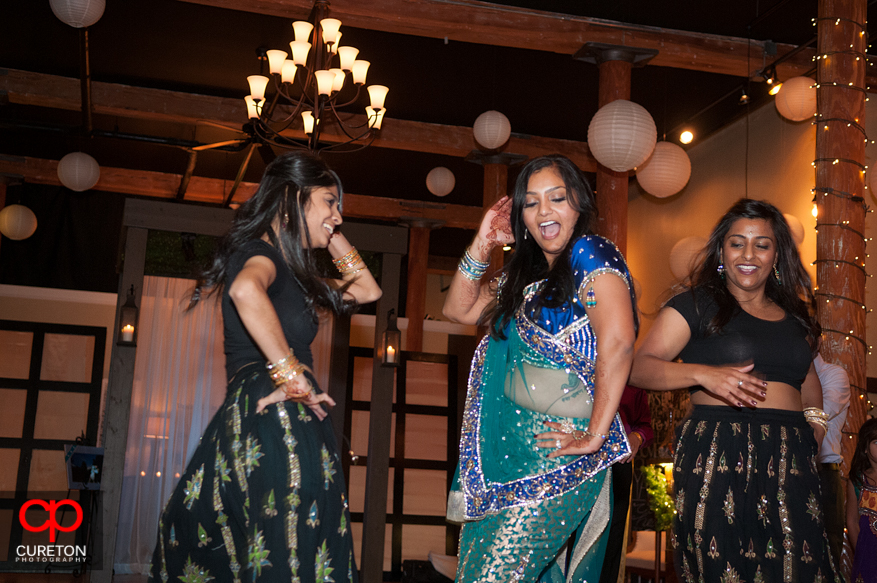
(415, 302)
(840, 240)
(615, 63)
(2, 201)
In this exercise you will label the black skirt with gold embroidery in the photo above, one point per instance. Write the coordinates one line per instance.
(262, 499)
(747, 499)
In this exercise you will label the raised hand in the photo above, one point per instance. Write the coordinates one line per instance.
(495, 229)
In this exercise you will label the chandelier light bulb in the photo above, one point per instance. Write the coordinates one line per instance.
(330, 28)
(325, 80)
(302, 30)
(375, 117)
(377, 94)
(333, 46)
(258, 83)
(308, 119)
(275, 61)
(347, 56)
(338, 83)
(252, 109)
(287, 74)
(360, 69)
(300, 50)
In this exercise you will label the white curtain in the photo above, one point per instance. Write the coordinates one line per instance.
(179, 383)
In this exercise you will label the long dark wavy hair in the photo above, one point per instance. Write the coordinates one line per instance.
(283, 194)
(795, 295)
(528, 263)
(860, 463)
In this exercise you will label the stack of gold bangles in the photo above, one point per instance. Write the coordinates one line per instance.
(284, 371)
(817, 416)
(347, 263)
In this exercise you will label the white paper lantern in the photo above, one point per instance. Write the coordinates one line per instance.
(685, 255)
(17, 222)
(440, 181)
(796, 99)
(78, 13)
(622, 135)
(492, 129)
(78, 171)
(666, 172)
(795, 227)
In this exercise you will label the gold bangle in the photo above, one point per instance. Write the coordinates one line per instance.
(348, 260)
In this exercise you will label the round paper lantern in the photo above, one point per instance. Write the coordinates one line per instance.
(17, 222)
(78, 171)
(492, 129)
(78, 13)
(796, 99)
(685, 255)
(622, 135)
(796, 228)
(666, 172)
(440, 181)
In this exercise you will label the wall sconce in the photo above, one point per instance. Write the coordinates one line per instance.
(391, 341)
(128, 321)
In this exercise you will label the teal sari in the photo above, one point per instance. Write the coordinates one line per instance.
(526, 517)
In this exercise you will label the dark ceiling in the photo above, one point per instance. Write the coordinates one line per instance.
(180, 46)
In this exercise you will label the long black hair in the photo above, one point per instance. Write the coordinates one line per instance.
(528, 263)
(794, 295)
(283, 195)
(860, 462)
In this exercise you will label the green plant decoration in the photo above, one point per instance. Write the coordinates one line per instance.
(660, 501)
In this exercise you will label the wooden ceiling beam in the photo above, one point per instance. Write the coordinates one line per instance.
(213, 191)
(493, 24)
(41, 90)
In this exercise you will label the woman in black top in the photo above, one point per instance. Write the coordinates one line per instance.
(262, 498)
(742, 339)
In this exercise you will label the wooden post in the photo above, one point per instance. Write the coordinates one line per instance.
(415, 302)
(614, 63)
(2, 199)
(840, 165)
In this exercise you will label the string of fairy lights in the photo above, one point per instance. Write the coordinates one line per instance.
(825, 123)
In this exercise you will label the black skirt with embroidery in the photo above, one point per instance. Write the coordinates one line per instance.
(262, 499)
(747, 499)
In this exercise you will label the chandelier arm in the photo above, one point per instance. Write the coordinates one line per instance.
(279, 140)
(356, 149)
(353, 99)
(343, 123)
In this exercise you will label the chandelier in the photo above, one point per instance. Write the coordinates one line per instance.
(307, 91)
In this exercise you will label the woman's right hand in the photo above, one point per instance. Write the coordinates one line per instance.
(301, 391)
(495, 229)
(733, 384)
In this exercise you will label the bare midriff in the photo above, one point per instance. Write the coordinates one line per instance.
(779, 396)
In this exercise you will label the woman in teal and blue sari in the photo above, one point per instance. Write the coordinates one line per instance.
(540, 428)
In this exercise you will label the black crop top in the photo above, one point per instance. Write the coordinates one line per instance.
(779, 349)
(298, 322)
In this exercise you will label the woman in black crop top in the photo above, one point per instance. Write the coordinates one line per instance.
(742, 339)
(263, 498)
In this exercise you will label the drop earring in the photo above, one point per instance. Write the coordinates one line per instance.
(525, 234)
(721, 271)
(776, 274)
(285, 222)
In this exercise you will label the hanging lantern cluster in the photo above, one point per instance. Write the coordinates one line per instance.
(492, 129)
(622, 135)
(666, 172)
(796, 99)
(440, 181)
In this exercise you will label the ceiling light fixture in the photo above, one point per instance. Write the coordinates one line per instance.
(307, 90)
(686, 137)
(744, 98)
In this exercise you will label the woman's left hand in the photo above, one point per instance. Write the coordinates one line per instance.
(562, 443)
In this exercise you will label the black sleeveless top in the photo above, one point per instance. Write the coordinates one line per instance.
(298, 322)
(779, 349)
